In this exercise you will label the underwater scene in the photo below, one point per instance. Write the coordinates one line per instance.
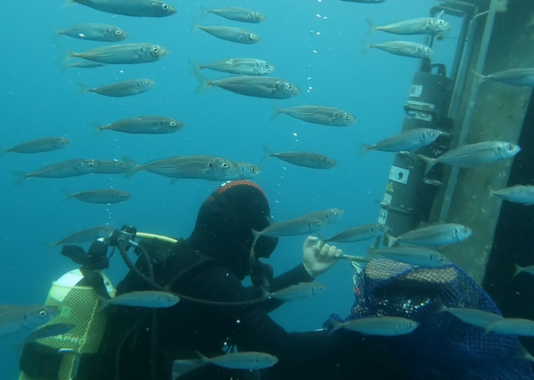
(299, 189)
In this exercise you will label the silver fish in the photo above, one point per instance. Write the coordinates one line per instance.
(428, 25)
(512, 326)
(122, 89)
(136, 8)
(239, 66)
(124, 54)
(301, 290)
(237, 14)
(70, 168)
(241, 360)
(473, 317)
(529, 270)
(403, 48)
(473, 154)
(238, 35)
(406, 141)
(149, 298)
(95, 32)
(260, 87)
(240, 170)
(191, 167)
(304, 159)
(359, 233)
(48, 331)
(14, 318)
(422, 257)
(150, 125)
(104, 196)
(517, 194)
(434, 236)
(513, 77)
(46, 144)
(382, 326)
(330, 116)
(110, 167)
(89, 234)
(304, 224)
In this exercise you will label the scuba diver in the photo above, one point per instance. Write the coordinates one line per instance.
(210, 266)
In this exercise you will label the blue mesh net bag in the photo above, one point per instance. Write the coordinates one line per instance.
(442, 347)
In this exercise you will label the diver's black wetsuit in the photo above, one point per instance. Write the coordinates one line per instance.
(213, 262)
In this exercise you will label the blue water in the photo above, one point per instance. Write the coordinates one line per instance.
(38, 100)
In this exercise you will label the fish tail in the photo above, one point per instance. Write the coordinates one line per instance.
(266, 153)
(479, 76)
(336, 325)
(204, 83)
(363, 149)
(491, 192)
(391, 241)
(276, 111)
(365, 47)
(174, 180)
(440, 306)
(193, 26)
(3, 152)
(83, 89)
(204, 11)
(132, 167)
(97, 128)
(195, 66)
(102, 304)
(372, 27)
(19, 177)
(371, 253)
(429, 162)
(202, 357)
(256, 235)
(518, 270)
(68, 3)
(66, 195)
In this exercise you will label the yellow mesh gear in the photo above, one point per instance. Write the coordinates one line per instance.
(78, 305)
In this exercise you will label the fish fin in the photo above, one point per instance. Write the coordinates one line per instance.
(204, 11)
(440, 306)
(55, 34)
(276, 111)
(202, 357)
(256, 235)
(479, 76)
(204, 83)
(195, 66)
(363, 149)
(491, 192)
(523, 354)
(266, 153)
(102, 304)
(96, 129)
(131, 167)
(372, 27)
(174, 180)
(193, 26)
(518, 270)
(365, 47)
(68, 3)
(20, 177)
(371, 253)
(83, 89)
(336, 325)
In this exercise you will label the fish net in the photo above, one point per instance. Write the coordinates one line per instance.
(442, 347)
(79, 307)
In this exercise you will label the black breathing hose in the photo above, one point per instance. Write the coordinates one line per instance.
(121, 245)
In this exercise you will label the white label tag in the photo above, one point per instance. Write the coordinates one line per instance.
(399, 175)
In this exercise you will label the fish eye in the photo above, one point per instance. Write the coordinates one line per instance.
(318, 224)
(432, 134)
(335, 213)
(123, 166)
(267, 66)
(347, 116)
(165, 6)
(224, 165)
(62, 141)
(90, 164)
(268, 360)
(155, 50)
(147, 83)
(289, 87)
(509, 147)
(252, 35)
(427, 50)
(118, 32)
(42, 313)
(409, 325)
(172, 123)
(252, 168)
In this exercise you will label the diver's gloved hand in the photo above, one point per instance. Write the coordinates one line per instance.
(318, 258)
(262, 275)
